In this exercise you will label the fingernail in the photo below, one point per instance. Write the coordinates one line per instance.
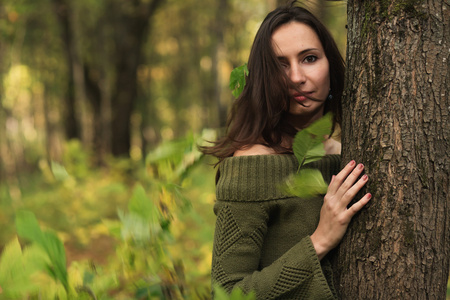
(360, 166)
(352, 163)
(369, 195)
(365, 177)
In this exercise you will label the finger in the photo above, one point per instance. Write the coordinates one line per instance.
(359, 205)
(349, 181)
(351, 193)
(340, 177)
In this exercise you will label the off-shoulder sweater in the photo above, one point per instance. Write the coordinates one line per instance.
(262, 237)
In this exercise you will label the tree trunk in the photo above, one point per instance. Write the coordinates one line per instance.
(396, 108)
(94, 96)
(130, 35)
(217, 57)
(72, 127)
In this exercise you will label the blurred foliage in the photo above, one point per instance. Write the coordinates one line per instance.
(161, 242)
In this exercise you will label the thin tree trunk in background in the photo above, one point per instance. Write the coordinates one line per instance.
(217, 57)
(48, 130)
(4, 155)
(132, 26)
(94, 96)
(396, 122)
(104, 85)
(71, 123)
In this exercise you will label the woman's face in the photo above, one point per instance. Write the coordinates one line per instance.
(301, 54)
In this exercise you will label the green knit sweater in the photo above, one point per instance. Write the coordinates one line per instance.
(262, 238)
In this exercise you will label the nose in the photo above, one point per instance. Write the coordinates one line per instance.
(297, 75)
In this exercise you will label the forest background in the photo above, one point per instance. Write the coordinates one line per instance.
(102, 106)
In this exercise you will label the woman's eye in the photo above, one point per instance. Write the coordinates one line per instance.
(310, 59)
(284, 65)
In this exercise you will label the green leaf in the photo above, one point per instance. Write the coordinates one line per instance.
(59, 171)
(237, 80)
(308, 143)
(141, 205)
(57, 254)
(315, 153)
(306, 184)
(28, 228)
(303, 143)
(322, 126)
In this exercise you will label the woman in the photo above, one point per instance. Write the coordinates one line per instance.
(266, 241)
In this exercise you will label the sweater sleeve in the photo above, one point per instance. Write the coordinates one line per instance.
(243, 217)
(239, 236)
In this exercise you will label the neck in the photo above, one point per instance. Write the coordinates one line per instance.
(301, 122)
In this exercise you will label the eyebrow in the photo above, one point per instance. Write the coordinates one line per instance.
(300, 53)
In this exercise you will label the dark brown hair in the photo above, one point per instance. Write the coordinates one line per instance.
(258, 116)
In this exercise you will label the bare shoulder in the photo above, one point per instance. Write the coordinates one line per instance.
(332, 146)
(255, 149)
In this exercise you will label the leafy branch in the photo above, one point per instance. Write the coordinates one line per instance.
(308, 147)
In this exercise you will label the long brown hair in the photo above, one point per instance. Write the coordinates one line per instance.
(258, 116)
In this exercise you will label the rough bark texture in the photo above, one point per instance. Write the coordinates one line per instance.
(396, 113)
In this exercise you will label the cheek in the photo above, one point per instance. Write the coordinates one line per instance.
(325, 75)
(321, 75)
(323, 78)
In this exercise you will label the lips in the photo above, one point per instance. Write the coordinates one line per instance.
(301, 97)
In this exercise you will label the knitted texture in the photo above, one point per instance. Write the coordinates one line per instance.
(262, 238)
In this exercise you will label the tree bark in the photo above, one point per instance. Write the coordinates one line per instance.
(396, 108)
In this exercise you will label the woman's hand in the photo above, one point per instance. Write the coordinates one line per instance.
(334, 215)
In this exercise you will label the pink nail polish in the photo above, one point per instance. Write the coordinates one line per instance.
(351, 163)
(365, 177)
(369, 195)
(360, 166)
